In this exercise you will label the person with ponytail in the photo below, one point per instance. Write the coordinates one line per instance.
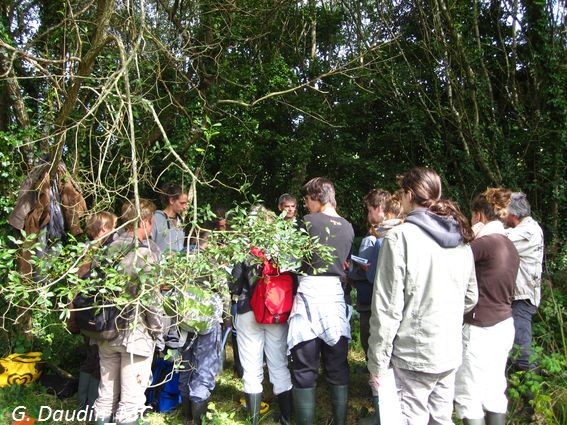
(425, 282)
(488, 332)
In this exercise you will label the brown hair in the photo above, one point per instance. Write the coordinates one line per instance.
(377, 198)
(425, 186)
(493, 203)
(169, 191)
(98, 221)
(129, 213)
(320, 189)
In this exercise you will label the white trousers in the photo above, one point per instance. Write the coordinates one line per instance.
(481, 379)
(253, 341)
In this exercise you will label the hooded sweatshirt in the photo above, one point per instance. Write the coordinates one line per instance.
(424, 284)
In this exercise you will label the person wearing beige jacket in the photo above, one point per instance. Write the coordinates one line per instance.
(425, 282)
(125, 362)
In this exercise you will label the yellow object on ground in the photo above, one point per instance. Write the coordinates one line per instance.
(20, 368)
(264, 407)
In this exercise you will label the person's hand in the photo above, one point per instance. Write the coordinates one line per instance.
(364, 266)
(374, 382)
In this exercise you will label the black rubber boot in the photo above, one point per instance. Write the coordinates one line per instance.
(339, 398)
(198, 410)
(375, 419)
(492, 418)
(473, 421)
(285, 404)
(304, 405)
(186, 410)
(253, 404)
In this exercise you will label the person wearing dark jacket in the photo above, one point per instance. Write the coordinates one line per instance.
(256, 340)
(488, 333)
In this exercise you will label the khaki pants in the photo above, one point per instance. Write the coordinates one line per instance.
(124, 378)
(426, 398)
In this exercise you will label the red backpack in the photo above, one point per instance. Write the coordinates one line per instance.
(273, 295)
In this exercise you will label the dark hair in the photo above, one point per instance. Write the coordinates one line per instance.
(286, 197)
(320, 189)
(425, 186)
(492, 203)
(377, 198)
(519, 205)
(169, 192)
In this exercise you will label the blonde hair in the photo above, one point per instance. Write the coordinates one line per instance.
(98, 221)
(492, 203)
(394, 204)
(129, 213)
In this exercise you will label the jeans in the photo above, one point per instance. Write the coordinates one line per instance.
(522, 312)
(201, 362)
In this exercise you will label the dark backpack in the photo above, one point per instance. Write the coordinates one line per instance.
(91, 316)
(272, 298)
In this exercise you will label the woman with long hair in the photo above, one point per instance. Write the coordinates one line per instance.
(488, 333)
(425, 282)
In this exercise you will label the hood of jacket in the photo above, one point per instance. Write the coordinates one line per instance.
(443, 229)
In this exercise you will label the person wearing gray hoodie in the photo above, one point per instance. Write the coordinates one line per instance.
(424, 284)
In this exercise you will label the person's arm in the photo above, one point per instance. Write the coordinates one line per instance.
(387, 304)
(471, 295)
(373, 261)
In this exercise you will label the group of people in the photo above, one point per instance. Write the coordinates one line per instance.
(441, 300)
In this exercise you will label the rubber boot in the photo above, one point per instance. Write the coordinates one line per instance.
(186, 410)
(473, 421)
(375, 419)
(285, 404)
(492, 418)
(92, 392)
(253, 404)
(339, 398)
(83, 389)
(198, 410)
(304, 405)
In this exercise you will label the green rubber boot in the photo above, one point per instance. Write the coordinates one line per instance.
(492, 418)
(304, 405)
(473, 421)
(339, 398)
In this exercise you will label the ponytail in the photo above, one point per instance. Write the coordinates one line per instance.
(447, 208)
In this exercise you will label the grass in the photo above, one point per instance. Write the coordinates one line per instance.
(225, 407)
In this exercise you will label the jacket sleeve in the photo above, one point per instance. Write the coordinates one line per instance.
(387, 303)
(471, 295)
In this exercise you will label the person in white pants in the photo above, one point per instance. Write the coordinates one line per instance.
(488, 333)
(254, 340)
